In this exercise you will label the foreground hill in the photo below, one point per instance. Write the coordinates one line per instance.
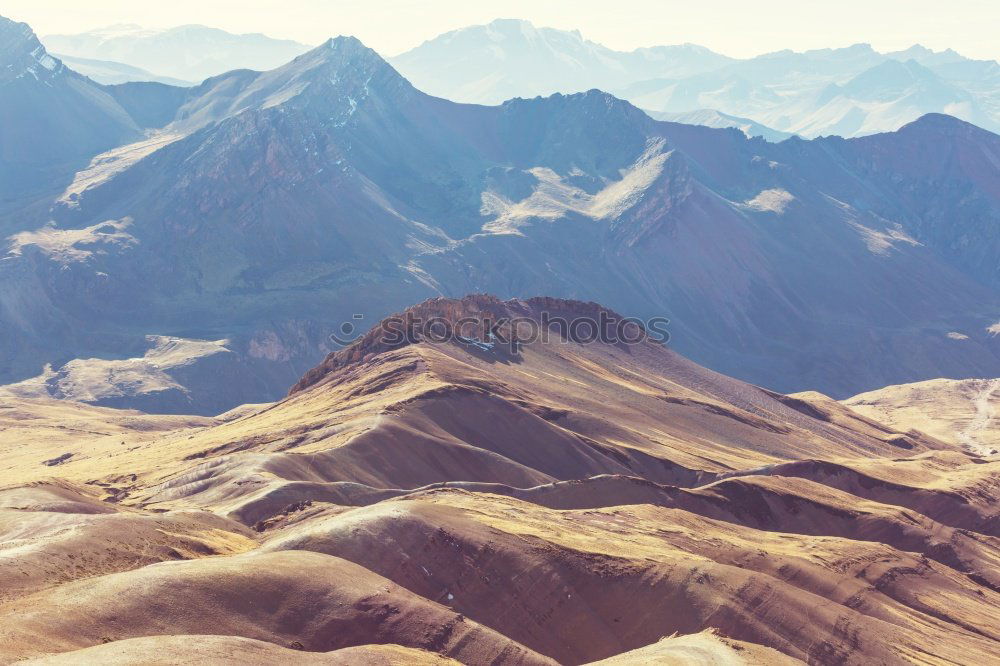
(587, 500)
(268, 208)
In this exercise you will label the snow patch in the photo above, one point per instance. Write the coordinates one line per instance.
(770, 201)
(955, 335)
(878, 242)
(882, 242)
(422, 276)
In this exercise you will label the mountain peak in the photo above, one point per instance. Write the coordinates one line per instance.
(21, 54)
(467, 321)
(943, 124)
(340, 51)
(347, 61)
(334, 78)
(338, 61)
(891, 76)
(594, 97)
(917, 49)
(526, 31)
(510, 23)
(12, 32)
(345, 44)
(512, 26)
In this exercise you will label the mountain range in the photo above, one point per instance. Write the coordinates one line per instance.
(489, 64)
(257, 212)
(309, 366)
(111, 72)
(851, 91)
(431, 502)
(186, 53)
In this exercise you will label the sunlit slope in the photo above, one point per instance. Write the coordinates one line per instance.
(561, 502)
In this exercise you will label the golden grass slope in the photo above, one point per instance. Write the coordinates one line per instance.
(702, 649)
(567, 504)
(965, 412)
(293, 599)
(196, 650)
(588, 571)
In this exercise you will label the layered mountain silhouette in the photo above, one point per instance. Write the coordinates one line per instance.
(110, 72)
(712, 118)
(449, 497)
(265, 209)
(188, 52)
(851, 91)
(489, 64)
(810, 93)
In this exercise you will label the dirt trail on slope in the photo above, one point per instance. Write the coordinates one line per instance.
(985, 413)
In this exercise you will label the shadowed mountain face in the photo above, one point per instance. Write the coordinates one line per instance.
(561, 502)
(52, 120)
(271, 207)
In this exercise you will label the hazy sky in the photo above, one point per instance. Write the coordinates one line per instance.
(734, 27)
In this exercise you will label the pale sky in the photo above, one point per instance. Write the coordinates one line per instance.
(738, 28)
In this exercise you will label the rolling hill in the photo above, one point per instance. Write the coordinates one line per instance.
(563, 501)
(960, 411)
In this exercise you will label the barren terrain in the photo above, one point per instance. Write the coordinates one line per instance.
(559, 503)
